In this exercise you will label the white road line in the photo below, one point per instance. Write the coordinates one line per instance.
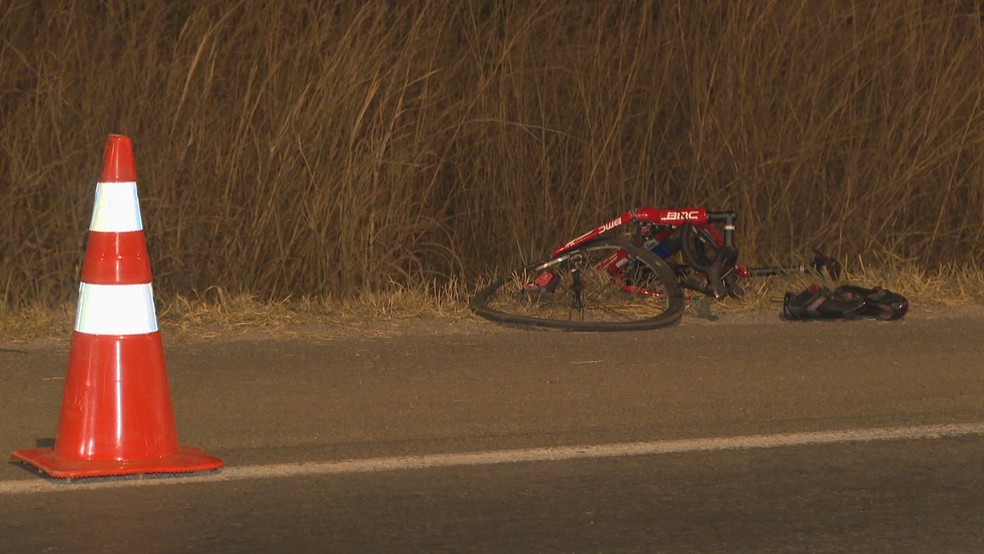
(397, 463)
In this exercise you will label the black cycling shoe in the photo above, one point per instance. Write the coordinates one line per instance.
(818, 302)
(880, 303)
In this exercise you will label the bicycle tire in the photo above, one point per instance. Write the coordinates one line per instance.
(586, 296)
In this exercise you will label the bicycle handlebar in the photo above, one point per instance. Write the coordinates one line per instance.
(722, 267)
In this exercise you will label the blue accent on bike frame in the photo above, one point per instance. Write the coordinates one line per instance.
(661, 250)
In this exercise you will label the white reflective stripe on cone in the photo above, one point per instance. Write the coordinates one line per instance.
(116, 310)
(117, 209)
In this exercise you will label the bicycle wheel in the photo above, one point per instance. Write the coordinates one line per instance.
(607, 284)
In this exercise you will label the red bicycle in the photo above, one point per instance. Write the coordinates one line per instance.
(628, 273)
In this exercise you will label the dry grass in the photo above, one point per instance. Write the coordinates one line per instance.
(328, 149)
(943, 289)
(218, 314)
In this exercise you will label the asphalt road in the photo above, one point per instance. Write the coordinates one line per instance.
(443, 391)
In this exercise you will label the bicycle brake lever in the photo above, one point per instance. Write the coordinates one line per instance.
(718, 271)
(822, 261)
(731, 283)
(721, 271)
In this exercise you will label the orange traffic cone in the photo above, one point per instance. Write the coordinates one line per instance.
(116, 416)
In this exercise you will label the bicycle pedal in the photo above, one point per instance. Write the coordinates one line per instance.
(546, 282)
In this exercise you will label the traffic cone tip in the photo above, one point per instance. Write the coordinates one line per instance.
(118, 165)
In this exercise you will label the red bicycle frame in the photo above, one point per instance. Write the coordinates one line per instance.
(672, 221)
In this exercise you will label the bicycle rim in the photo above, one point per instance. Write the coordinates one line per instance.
(605, 285)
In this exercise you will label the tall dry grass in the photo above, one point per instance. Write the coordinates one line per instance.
(328, 148)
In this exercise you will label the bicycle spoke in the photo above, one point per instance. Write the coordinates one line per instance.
(604, 285)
